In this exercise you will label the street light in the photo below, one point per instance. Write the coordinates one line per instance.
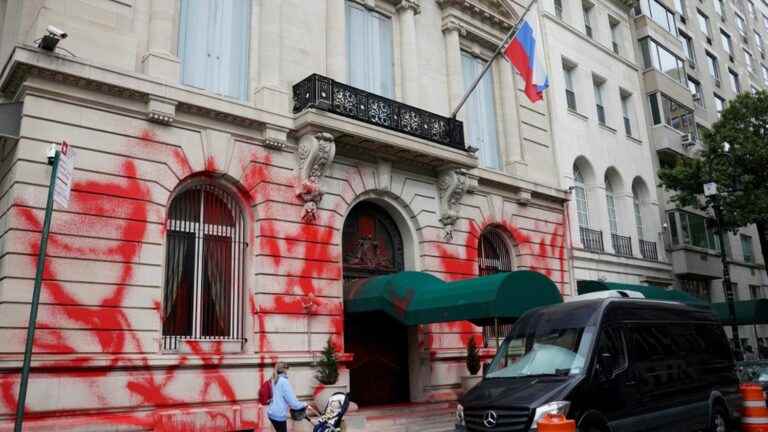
(713, 195)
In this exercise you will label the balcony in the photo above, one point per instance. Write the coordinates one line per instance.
(592, 240)
(327, 95)
(622, 245)
(648, 250)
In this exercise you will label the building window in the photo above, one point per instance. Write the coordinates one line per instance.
(751, 7)
(719, 104)
(747, 249)
(481, 113)
(662, 16)
(673, 114)
(696, 287)
(599, 86)
(765, 21)
(493, 255)
(637, 206)
(582, 208)
(369, 46)
(759, 42)
(626, 108)
(615, 33)
(689, 49)
(214, 46)
(714, 68)
(735, 83)
(658, 57)
(611, 202)
(680, 7)
(570, 93)
(587, 9)
(655, 112)
(559, 8)
(740, 24)
(727, 43)
(205, 253)
(692, 230)
(704, 24)
(748, 59)
(756, 292)
(719, 7)
(698, 94)
(765, 74)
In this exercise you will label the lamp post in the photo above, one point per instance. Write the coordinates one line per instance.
(713, 195)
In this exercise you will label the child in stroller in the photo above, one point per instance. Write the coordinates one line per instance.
(330, 419)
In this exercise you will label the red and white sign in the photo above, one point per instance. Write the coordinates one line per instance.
(64, 175)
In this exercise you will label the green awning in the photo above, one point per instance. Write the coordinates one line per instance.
(748, 312)
(418, 298)
(649, 291)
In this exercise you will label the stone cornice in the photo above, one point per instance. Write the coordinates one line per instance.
(481, 11)
(409, 4)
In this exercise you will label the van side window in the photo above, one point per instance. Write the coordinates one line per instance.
(714, 339)
(612, 342)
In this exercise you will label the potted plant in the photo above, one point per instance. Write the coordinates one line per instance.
(327, 375)
(473, 366)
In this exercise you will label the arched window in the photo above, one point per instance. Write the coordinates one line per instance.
(202, 295)
(493, 255)
(637, 204)
(611, 202)
(582, 209)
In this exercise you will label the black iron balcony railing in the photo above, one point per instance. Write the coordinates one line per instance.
(317, 91)
(592, 239)
(622, 245)
(648, 250)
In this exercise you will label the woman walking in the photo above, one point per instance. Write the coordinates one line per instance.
(283, 399)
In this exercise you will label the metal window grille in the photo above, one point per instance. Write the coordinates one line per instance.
(648, 250)
(493, 256)
(205, 250)
(622, 245)
(592, 240)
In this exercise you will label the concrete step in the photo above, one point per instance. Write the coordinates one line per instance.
(434, 417)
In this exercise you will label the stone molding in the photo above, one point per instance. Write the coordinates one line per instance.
(315, 154)
(452, 24)
(275, 138)
(414, 5)
(495, 16)
(452, 185)
(160, 110)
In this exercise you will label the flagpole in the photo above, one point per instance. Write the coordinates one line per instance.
(512, 33)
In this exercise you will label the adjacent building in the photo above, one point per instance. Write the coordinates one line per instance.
(239, 165)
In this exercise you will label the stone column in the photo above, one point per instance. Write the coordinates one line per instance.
(270, 95)
(407, 11)
(452, 32)
(513, 140)
(336, 40)
(159, 61)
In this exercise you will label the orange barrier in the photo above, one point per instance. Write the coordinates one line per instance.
(755, 413)
(556, 423)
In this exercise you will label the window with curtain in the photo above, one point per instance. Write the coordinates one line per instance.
(570, 93)
(493, 255)
(370, 64)
(747, 249)
(480, 111)
(205, 245)
(638, 213)
(580, 191)
(611, 201)
(626, 109)
(214, 49)
(599, 107)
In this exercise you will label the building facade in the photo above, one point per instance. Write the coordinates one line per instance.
(239, 164)
(603, 145)
(696, 57)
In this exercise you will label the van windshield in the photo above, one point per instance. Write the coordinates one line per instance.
(545, 344)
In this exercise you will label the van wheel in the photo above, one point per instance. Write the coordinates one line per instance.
(718, 421)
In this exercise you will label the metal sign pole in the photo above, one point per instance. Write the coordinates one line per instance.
(36, 298)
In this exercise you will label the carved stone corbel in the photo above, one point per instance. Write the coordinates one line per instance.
(452, 185)
(160, 110)
(315, 155)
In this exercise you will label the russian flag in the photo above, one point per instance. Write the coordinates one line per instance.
(521, 52)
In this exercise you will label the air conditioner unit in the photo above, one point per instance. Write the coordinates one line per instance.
(696, 97)
(686, 140)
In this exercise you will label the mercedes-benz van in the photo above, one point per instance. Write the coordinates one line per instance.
(612, 365)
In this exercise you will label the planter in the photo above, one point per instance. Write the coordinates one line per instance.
(469, 381)
(323, 392)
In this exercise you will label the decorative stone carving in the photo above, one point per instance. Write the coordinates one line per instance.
(410, 4)
(490, 13)
(275, 138)
(160, 110)
(315, 153)
(452, 185)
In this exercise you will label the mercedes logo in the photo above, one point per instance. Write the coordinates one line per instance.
(489, 420)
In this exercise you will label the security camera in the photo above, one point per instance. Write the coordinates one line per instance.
(57, 32)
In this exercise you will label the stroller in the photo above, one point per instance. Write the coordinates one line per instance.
(330, 419)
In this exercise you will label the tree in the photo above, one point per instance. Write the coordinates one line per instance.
(740, 169)
(473, 357)
(327, 371)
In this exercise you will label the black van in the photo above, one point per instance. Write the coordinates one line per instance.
(613, 365)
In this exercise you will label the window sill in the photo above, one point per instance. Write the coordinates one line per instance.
(213, 346)
(608, 128)
(577, 114)
(635, 140)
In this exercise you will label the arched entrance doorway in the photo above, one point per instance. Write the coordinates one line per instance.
(372, 246)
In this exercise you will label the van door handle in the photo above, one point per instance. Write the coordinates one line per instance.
(630, 383)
